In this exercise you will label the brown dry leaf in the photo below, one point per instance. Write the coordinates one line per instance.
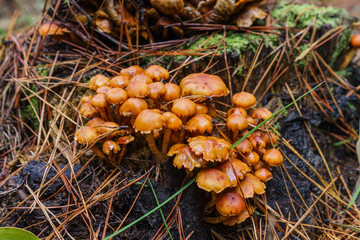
(248, 15)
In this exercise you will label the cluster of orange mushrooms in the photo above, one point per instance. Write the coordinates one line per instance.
(139, 104)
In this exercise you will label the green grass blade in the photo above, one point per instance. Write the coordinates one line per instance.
(153, 210)
(161, 212)
(347, 226)
(272, 116)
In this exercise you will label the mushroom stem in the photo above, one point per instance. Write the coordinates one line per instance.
(182, 131)
(103, 114)
(151, 142)
(235, 135)
(211, 203)
(110, 112)
(151, 103)
(97, 152)
(159, 157)
(122, 153)
(166, 142)
(112, 159)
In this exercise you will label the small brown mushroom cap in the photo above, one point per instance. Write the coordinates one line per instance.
(231, 221)
(211, 148)
(201, 108)
(200, 124)
(239, 170)
(119, 82)
(131, 71)
(204, 85)
(212, 179)
(103, 89)
(244, 147)
(99, 101)
(85, 99)
(110, 146)
(261, 113)
(168, 7)
(250, 185)
(172, 121)
(244, 99)
(258, 143)
(185, 158)
(133, 106)
(237, 110)
(157, 89)
(260, 164)
(250, 120)
(236, 122)
(157, 73)
(172, 92)
(86, 135)
(263, 174)
(142, 78)
(125, 139)
(87, 110)
(116, 96)
(108, 127)
(97, 81)
(52, 29)
(95, 122)
(252, 158)
(273, 157)
(270, 138)
(230, 203)
(355, 40)
(137, 89)
(149, 120)
(183, 107)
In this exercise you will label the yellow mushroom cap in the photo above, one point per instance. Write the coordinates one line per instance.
(149, 120)
(157, 89)
(185, 157)
(211, 148)
(273, 157)
(142, 78)
(172, 92)
(250, 185)
(235, 169)
(263, 174)
(157, 73)
(131, 71)
(203, 84)
(87, 110)
(200, 124)
(110, 146)
(116, 96)
(132, 106)
(99, 101)
(183, 107)
(230, 203)
(261, 113)
(212, 179)
(244, 99)
(97, 81)
(172, 121)
(236, 122)
(119, 82)
(137, 89)
(86, 135)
